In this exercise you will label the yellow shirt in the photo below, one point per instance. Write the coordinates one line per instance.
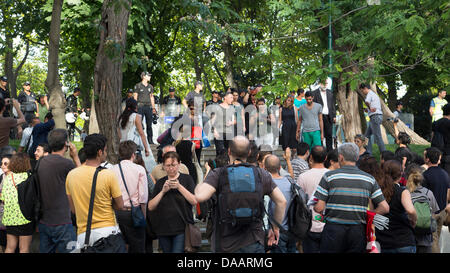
(79, 185)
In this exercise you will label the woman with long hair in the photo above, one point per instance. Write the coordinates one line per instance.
(19, 230)
(131, 128)
(5, 171)
(399, 238)
(288, 123)
(424, 241)
(361, 142)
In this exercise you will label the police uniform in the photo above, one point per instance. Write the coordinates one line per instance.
(27, 105)
(145, 106)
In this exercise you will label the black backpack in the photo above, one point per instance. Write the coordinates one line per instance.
(29, 196)
(299, 216)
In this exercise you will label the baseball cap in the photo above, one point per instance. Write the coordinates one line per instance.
(130, 90)
(4, 78)
(171, 89)
(145, 73)
(27, 83)
(215, 92)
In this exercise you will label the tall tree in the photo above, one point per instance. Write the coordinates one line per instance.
(57, 100)
(108, 70)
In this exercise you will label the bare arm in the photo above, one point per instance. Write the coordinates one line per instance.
(319, 207)
(21, 117)
(279, 118)
(409, 207)
(280, 206)
(203, 192)
(321, 125)
(153, 204)
(138, 123)
(382, 208)
(117, 203)
(187, 194)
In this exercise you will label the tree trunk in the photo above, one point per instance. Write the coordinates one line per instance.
(389, 126)
(108, 71)
(392, 92)
(56, 101)
(347, 100)
(9, 64)
(228, 53)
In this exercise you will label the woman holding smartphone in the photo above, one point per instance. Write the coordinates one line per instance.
(171, 205)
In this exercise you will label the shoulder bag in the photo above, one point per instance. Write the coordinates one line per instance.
(137, 215)
(114, 243)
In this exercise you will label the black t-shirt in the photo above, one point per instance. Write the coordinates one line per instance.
(165, 219)
(400, 232)
(195, 97)
(437, 180)
(443, 126)
(53, 170)
(143, 93)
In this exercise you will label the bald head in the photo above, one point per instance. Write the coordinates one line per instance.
(240, 147)
(272, 164)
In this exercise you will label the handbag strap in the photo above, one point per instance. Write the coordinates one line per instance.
(91, 207)
(125, 183)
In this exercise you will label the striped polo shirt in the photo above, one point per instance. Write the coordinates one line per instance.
(346, 192)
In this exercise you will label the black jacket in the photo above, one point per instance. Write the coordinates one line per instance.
(330, 101)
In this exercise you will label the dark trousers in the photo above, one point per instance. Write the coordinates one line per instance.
(337, 238)
(311, 244)
(221, 146)
(328, 131)
(147, 112)
(134, 237)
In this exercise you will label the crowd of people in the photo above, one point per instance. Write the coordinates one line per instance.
(240, 194)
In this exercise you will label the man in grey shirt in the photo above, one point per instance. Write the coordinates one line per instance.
(376, 118)
(311, 118)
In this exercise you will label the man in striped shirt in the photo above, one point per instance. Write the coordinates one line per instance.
(344, 195)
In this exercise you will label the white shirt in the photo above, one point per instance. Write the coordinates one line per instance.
(323, 94)
(26, 135)
(374, 102)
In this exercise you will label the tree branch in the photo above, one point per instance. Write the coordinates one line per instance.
(19, 67)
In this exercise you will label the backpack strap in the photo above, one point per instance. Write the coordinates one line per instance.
(91, 207)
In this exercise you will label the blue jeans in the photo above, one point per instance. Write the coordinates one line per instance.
(56, 238)
(172, 244)
(253, 248)
(286, 244)
(406, 249)
(375, 130)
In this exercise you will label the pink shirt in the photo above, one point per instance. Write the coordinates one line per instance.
(308, 181)
(136, 179)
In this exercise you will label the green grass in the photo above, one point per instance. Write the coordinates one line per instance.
(15, 143)
(392, 147)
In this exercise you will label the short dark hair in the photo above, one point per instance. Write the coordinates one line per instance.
(433, 154)
(94, 143)
(387, 155)
(57, 139)
(309, 94)
(82, 155)
(302, 148)
(173, 155)
(446, 110)
(45, 147)
(252, 156)
(127, 149)
(404, 138)
(318, 154)
(49, 116)
(363, 85)
(300, 91)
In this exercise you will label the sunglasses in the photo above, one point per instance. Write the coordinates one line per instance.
(4, 163)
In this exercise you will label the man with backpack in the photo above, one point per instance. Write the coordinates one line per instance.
(286, 243)
(55, 226)
(238, 215)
